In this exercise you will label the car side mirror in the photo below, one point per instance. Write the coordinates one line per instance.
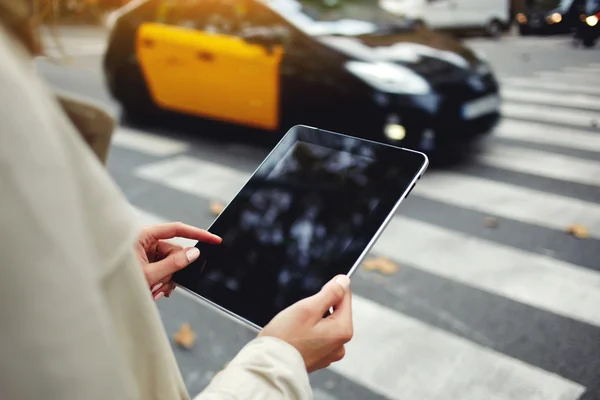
(266, 37)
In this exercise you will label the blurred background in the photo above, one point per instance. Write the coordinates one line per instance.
(486, 284)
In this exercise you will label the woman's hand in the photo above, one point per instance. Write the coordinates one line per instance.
(161, 259)
(319, 340)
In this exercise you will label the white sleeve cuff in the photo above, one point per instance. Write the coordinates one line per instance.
(266, 368)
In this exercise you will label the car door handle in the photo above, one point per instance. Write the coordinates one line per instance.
(205, 56)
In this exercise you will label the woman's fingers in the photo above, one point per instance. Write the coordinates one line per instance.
(163, 290)
(168, 288)
(177, 229)
(165, 249)
(334, 357)
(157, 271)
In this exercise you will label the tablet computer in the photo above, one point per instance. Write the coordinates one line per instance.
(311, 210)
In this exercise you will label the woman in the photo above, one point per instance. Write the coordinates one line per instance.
(78, 278)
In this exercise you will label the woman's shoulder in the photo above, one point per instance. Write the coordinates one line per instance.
(50, 160)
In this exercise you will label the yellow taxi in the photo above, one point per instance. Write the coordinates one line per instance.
(346, 66)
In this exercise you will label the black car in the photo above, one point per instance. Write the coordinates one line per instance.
(342, 66)
(549, 16)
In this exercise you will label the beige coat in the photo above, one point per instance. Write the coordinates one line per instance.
(77, 320)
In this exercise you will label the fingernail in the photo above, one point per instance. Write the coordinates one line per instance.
(159, 296)
(156, 287)
(343, 281)
(192, 254)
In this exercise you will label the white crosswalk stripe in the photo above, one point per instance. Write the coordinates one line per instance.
(509, 201)
(547, 134)
(588, 69)
(403, 353)
(518, 275)
(147, 143)
(566, 99)
(400, 357)
(557, 115)
(544, 164)
(572, 77)
(551, 85)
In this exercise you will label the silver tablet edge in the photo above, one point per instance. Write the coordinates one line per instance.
(241, 320)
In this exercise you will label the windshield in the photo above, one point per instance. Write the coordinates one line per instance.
(341, 17)
(592, 6)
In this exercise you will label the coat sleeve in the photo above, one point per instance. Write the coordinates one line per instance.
(57, 340)
(266, 368)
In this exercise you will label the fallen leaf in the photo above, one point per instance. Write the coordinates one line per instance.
(383, 265)
(216, 207)
(579, 231)
(370, 264)
(387, 267)
(185, 337)
(491, 222)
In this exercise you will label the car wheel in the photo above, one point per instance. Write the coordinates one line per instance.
(138, 108)
(494, 28)
(524, 31)
(589, 43)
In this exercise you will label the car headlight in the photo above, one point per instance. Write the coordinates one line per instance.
(389, 78)
(554, 18)
(592, 20)
(521, 18)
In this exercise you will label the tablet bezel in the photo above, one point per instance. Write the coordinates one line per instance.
(336, 141)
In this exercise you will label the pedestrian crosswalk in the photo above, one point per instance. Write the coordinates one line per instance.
(552, 114)
(422, 347)
(540, 133)
(552, 85)
(540, 97)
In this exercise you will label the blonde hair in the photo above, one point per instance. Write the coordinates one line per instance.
(17, 17)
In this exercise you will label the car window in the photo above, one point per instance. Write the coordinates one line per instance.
(592, 6)
(350, 17)
(206, 15)
(259, 15)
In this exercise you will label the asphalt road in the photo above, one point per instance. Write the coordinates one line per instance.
(511, 312)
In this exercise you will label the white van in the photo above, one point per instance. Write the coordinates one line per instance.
(491, 15)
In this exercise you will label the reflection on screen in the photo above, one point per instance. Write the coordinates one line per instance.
(290, 233)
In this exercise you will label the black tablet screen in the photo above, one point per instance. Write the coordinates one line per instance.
(306, 215)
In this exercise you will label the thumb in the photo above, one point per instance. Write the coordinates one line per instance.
(331, 294)
(171, 264)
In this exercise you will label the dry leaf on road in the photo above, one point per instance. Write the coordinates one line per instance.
(216, 207)
(383, 265)
(387, 267)
(370, 264)
(185, 337)
(579, 231)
